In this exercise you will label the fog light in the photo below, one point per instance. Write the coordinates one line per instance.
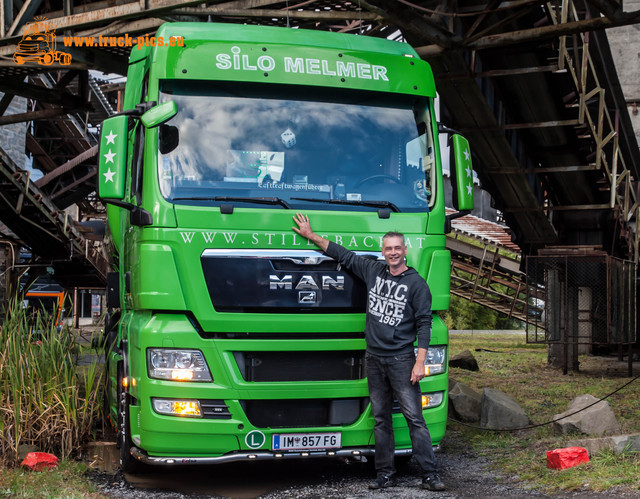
(432, 399)
(185, 408)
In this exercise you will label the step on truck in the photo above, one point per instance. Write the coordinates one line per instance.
(230, 337)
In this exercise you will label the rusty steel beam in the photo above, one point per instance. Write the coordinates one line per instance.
(563, 169)
(413, 26)
(33, 115)
(108, 15)
(55, 96)
(541, 124)
(66, 79)
(10, 49)
(87, 7)
(5, 102)
(36, 150)
(69, 165)
(503, 22)
(480, 19)
(273, 13)
(551, 68)
(533, 34)
(27, 10)
(576, 207)
(610, 8)
(568, 28)
(77, 182)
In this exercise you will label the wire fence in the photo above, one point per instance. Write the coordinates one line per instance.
(581, 300)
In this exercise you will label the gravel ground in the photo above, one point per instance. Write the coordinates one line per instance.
(465, 474)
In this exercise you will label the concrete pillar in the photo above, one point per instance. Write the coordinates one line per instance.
(625, 49)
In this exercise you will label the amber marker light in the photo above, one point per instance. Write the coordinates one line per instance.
(186, 408)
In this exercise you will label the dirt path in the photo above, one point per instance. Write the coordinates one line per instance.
(465, 474)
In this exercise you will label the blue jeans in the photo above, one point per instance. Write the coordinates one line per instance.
(386, 377)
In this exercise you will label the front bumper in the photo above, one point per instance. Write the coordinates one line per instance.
(349, 453)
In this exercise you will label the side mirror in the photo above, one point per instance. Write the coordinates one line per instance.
(113, 157)
(463, 182)
(159, 114)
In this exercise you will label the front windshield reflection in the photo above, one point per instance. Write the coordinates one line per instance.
(237, 147)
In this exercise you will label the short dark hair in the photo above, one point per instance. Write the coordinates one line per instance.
(393, 233)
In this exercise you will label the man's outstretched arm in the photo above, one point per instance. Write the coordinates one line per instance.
(304, 229)
(347, 258)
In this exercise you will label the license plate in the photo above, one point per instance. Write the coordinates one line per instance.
(305, 441)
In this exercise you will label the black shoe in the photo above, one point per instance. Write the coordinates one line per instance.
(433, 482)
(382, 482)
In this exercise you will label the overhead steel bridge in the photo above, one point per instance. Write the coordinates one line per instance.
(531, 83)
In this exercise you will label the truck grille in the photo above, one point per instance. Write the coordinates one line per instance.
(304, 412)
(280, 281)
(301, 366)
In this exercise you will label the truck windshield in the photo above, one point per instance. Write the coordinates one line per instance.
(344, 154)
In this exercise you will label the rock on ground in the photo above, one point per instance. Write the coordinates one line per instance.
(595, 419)
(500, 411)
(464, 360)
(465, 402)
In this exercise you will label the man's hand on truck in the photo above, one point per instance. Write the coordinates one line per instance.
(304, 229)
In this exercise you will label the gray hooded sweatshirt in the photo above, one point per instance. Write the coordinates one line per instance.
(398, 308)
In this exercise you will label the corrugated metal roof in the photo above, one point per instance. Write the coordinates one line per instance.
(484, 230)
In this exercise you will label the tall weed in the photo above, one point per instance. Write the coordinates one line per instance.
(47, 400)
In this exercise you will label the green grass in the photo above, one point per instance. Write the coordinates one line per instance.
(520, 370)
(47, 400)
(66, 481)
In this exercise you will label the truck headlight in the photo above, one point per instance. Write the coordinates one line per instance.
(175, 407)
(435, 363)
(177, 365)
(432, 399)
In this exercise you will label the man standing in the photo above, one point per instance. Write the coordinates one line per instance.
(398, 311)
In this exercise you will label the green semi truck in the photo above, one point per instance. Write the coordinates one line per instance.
(230, 337)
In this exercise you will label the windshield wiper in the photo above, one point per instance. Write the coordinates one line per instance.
(256, 200)
(372, 204)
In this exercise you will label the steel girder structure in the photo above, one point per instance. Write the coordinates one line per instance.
(529, 82)
(50, 233)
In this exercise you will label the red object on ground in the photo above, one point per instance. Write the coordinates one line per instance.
(40, 461)
(562, 459)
